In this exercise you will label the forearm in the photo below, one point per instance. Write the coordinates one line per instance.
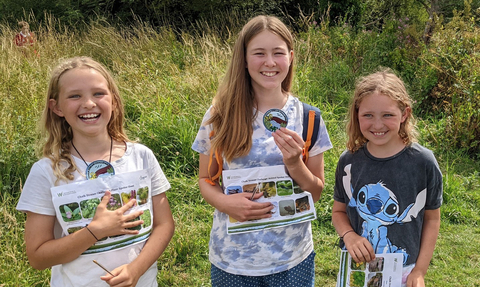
(431, 227)
(56, 251)
(213, 194)
(44, 251)
(340, 219)
(306, 180)
(162, 231)
(154, 247)
(310, 176)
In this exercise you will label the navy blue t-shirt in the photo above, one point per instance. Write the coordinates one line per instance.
(386, 197)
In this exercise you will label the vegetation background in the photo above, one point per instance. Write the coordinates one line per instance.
(168, 58)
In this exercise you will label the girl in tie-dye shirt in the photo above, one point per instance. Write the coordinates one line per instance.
(259, 78)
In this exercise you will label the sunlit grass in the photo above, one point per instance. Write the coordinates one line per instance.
(167, 80)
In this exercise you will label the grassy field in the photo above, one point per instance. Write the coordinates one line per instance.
(167, 80)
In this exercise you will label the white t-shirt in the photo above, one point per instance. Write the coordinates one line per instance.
(268, 251)
(36, 197)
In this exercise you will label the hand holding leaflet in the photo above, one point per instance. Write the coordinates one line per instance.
(385, 270)
(290, 204)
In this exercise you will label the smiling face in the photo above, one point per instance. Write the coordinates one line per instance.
(268, 60)
(379, 118)
(85, 101)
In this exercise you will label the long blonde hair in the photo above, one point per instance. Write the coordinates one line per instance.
(386, 83)
(232, 113)
(56, 129)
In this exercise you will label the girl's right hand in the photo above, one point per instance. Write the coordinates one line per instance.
(114, 222)
(241, 208)
(358, 247)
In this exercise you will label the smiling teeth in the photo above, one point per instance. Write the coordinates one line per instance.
(269, 74)
(379, 134)
(89, 116)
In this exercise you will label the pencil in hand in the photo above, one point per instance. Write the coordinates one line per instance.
(101, 266)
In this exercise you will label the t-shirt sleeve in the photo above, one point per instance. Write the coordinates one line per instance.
(160, 183)
(434, 183)
(36, 196)
(201, 144)
(323, 142)
(339, 193)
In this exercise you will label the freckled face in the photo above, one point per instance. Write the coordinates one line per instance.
(380, 117)
(268, 60)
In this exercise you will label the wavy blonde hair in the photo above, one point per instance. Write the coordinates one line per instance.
(56, 130)
(386, 83)
(232, 113)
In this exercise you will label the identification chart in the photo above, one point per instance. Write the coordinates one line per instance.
(291, 204)
(384, 271)
(76, 203)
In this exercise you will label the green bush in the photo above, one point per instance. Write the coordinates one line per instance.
(450, 72)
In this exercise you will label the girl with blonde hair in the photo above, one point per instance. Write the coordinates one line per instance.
(83, 123)
(388, 188)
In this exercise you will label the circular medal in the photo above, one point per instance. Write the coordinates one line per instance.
(274, 119)
(99, 168)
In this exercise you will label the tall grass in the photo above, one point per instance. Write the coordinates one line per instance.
(168, 79)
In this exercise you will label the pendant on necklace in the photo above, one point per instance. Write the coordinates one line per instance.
(99, 168)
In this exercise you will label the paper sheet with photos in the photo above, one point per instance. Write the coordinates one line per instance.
(291, 204)
(76, 203)
(384, 271)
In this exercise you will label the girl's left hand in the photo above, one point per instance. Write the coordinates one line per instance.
(416, 279)
(290, 144)
(124, 276)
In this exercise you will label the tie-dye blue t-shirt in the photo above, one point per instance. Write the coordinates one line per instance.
(269, 251)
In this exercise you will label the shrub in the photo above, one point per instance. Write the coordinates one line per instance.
(456, 94)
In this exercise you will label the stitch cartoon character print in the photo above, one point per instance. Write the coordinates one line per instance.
(386, 198)
(379, 207)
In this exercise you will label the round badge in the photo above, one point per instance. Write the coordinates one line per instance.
(274, 119)
(99, 168)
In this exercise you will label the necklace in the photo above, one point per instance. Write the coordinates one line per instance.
(109, 159)
(98, 168)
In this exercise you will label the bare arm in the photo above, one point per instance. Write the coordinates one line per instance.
(430, 230)
(238, 206)
(310, 176)
(358, 247)
(44, 251)
(162, 232)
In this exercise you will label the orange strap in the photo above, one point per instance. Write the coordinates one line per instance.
(218, 156)
(308, 142)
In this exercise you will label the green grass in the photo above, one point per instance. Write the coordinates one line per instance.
(167, 81)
